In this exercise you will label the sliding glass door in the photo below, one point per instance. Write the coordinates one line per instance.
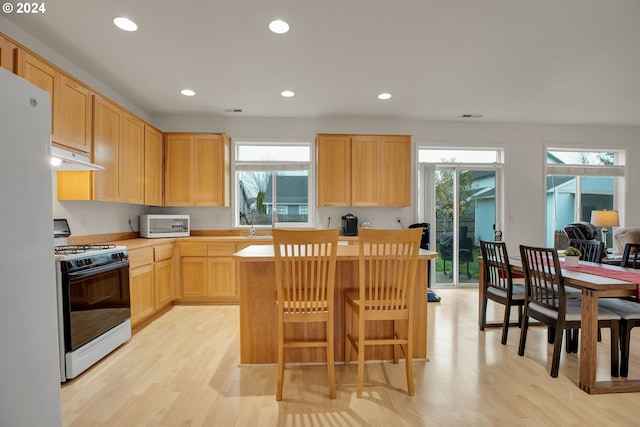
(465, 213)
(462, 201)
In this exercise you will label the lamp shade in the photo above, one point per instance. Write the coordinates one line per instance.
(605, 218)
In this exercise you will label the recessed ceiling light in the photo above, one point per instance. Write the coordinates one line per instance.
(187, 92)
(125, 24)
(279, 26)
(384, 95)
(287, 93)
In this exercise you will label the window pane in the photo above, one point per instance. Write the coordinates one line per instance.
(256, 197)
(270, 153)
(596, 194)
(458, 156)
(561, 193)
(252, 188)
(564, 193)
(292, 196)
(580, 157)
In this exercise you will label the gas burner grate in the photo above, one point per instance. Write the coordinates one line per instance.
(78, 249)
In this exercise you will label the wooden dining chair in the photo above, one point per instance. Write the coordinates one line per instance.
(499, 286)
(629, 310)
(305, 279)
(591, 250)
(388, 262)
(546, 301)
(631, 255)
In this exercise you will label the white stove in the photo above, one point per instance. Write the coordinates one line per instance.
(93, 303)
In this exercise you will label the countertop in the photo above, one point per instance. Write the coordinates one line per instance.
(137, 243)
(345, 252)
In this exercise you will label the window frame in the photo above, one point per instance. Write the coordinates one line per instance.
(618, 171)
(273, 167)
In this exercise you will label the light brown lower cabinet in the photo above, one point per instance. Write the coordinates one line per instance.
(151, 283)
(208, 272)
(183, 272)
(141, 284)
(163, 274)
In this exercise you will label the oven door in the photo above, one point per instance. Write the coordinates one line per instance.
(94, 301)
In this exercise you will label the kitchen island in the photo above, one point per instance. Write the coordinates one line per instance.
(258, 328)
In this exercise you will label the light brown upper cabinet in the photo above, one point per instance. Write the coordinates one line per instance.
(364, 170)
(132, 160)
(334, 169)
(107, 133)
(197, 169)
(153, 155)
(72, 115)
(7, 54)
(395, 164)
(70, 100)
(118, 146)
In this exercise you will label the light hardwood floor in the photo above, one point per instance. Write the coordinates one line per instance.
(182, 370)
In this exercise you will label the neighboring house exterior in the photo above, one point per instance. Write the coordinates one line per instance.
(292, 198)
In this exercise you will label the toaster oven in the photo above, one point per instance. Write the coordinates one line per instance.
(156, 226)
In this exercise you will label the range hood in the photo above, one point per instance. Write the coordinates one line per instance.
(65, 160)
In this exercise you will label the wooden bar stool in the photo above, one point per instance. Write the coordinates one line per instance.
(388, 262)
(305, 278)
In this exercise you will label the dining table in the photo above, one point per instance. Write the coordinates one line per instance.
(595, 280)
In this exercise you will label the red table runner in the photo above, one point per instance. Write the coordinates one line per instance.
(627, 276)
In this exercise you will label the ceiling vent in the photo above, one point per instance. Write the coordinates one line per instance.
(468, 116)
(233, 110)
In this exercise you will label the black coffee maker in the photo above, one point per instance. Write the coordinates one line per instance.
(349, 225)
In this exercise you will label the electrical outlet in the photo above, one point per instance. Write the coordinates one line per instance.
(83, 219)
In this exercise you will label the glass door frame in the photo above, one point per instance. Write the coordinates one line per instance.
(426, 206)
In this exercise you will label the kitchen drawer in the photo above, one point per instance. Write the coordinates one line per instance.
(193, 249)
(162, 252)
(140, 256)
(221, 248)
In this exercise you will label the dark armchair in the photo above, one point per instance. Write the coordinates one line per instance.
(581, 230)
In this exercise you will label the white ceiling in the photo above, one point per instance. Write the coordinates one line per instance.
(549, 61)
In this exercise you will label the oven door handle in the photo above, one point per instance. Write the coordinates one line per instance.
(97, 270)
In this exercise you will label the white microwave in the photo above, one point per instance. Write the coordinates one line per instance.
(155, 226)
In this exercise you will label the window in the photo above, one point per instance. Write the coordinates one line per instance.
(272, 184)
(458, 155)
(579, 182)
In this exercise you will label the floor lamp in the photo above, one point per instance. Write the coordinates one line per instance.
(605, 219)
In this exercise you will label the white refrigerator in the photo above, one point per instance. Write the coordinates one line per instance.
(29, 369)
